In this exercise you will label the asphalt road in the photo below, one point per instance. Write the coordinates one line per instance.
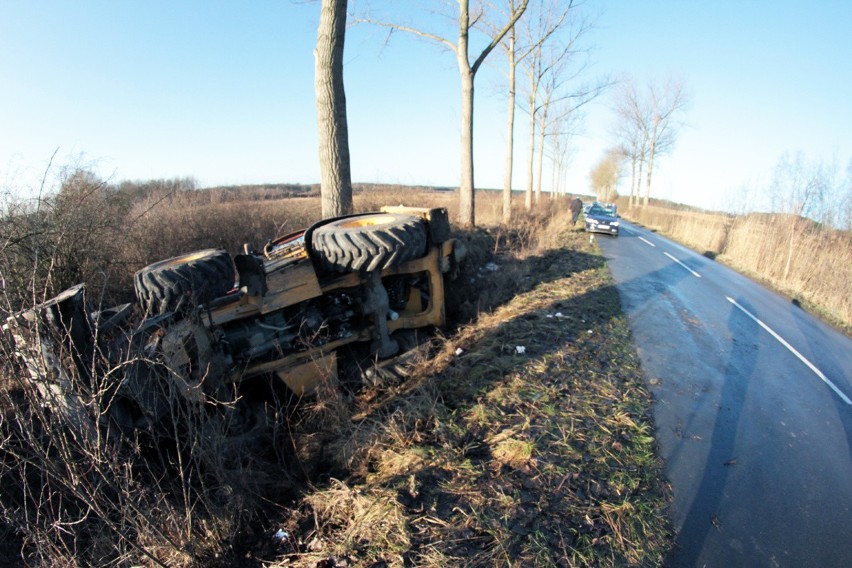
(752, 408)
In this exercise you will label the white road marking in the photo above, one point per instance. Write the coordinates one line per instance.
(810, 365)
(646, 241)
(683, 265)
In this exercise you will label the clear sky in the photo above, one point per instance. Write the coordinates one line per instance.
(223, 91)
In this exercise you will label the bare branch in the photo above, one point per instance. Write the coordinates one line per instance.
(414, 31)
(496, 39)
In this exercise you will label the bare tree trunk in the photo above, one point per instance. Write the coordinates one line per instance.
(632, 179)
(541, 134)
(528, 198)
(335, 177)
(554, 178)
(634, 161)
(651, 152)
(510, 133)
(466, 187)
(639, 177)
(467, 72)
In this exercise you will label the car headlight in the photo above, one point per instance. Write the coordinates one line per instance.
(614, 224)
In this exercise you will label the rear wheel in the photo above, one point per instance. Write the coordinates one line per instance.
(184, 281)
(369, 242)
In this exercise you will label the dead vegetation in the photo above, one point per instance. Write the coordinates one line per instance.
(521, 436)
(524, 441)
(808, 261)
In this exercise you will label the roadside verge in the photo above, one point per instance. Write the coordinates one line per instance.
(525, 439)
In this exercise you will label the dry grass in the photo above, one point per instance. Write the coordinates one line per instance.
(489, 456)
(468, 452)
(810, 263)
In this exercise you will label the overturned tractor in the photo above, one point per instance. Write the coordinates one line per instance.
(205, 324)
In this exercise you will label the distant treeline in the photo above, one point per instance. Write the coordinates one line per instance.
(139, 190)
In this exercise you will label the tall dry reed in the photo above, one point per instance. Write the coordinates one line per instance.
(798, 257)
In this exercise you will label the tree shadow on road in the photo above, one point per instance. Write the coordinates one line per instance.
(703, 514)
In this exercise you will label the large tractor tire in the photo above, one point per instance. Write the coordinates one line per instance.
(185, 281)
(369, 242)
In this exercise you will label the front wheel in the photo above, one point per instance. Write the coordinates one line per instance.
(184, 281)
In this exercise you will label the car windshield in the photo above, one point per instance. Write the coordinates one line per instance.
(598, 210)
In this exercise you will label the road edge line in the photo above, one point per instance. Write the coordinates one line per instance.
(683, 265)
(792, 349)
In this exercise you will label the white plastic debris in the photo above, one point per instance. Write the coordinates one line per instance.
(459, 351)
(520, 349)
(550, 316)
(559, 314)
(281, 534)
(590, 332)
(491, 267)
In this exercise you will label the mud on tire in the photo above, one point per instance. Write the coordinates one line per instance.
(369, 242)
(184, 281)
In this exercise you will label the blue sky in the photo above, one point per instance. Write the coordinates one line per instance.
(223, 92)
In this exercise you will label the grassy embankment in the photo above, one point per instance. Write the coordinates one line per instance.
(491, 455)
(471, 452)
(810, 263)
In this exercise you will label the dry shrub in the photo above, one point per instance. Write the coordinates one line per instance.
(176, 224)
(705, 232)
(314, 428)
(80, 487)
(797, 256)
(52, 242)
(488, 203)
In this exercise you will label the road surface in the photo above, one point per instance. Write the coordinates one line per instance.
(752, 408)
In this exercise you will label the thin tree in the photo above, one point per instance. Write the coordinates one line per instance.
(335, 176)
(516, 54)
(631, 132)
(665, 105)
(512, 56)
(554, 64)
(564, 129)
(799, 187)
(467, 72)
(606, 173)
(542, 134)
(560, 111)
(534, 73)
